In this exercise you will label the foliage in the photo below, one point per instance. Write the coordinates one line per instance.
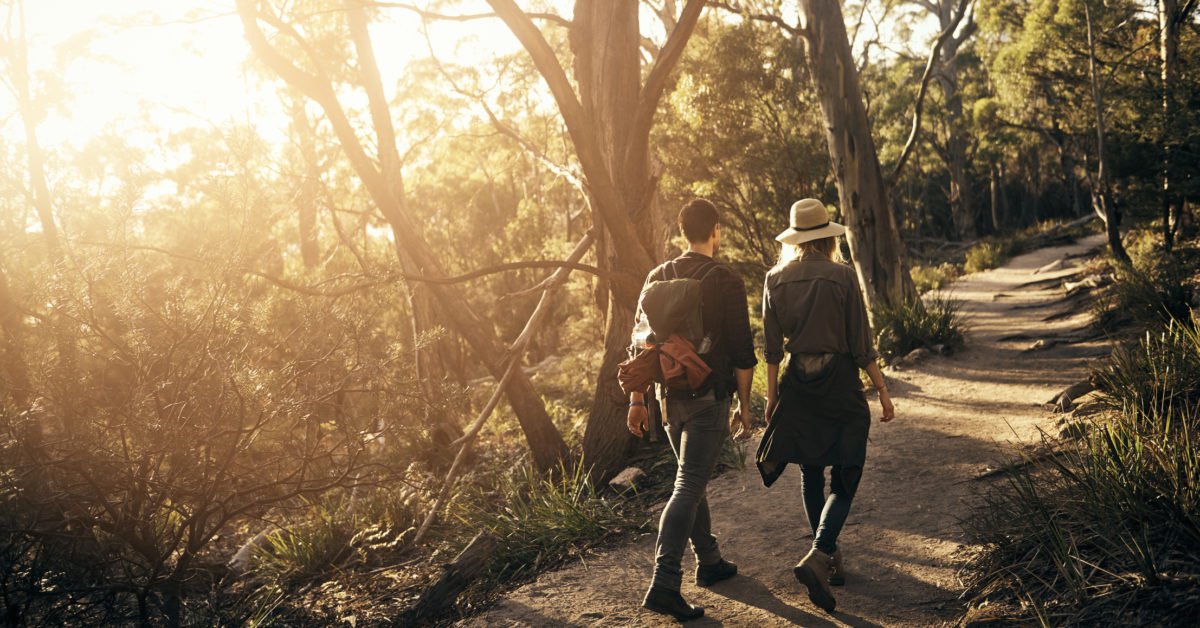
(1157, 376)
(1156, 289)
(992, 253)
(1108, 529)
(541, 521)
(931, 277)
(927, 322)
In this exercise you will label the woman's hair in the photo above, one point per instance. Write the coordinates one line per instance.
(827, 247)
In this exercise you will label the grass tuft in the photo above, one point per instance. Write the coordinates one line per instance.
(993, 253)
(928, 278)
(901, 328)
(543, 520)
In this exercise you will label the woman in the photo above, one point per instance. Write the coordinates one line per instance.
(817, 416)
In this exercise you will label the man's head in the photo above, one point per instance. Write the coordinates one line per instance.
(698, 221)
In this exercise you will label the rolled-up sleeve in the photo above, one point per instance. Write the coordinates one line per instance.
(772, 332)
(858, 329)
(737, 324)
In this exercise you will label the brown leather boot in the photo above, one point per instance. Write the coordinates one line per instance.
(837, 577)
(813, 572)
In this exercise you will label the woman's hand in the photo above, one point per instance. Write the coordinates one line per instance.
(889, 411)
(637, 419)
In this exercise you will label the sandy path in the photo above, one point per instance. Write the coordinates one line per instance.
(956, 418)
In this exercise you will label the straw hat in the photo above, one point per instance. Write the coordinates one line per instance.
(810, 221)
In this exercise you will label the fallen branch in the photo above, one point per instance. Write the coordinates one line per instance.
(514, 353)
(455, 577)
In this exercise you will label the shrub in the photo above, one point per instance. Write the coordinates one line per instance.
(1161, 373)
(929, 278)
(992, 253)
(1155, 290)
(914, 324)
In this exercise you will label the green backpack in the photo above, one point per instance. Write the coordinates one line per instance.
(672, 306)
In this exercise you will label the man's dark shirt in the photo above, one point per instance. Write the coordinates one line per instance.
(726, 316)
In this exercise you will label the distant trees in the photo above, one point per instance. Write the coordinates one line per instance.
(383, 179)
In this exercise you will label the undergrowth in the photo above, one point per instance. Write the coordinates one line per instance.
(1107, 529)
(934, 320)
(1152, 291)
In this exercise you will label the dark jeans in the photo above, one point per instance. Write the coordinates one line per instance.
(697, 429)
(828, 515)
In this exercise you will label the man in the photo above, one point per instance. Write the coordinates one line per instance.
(696, 419)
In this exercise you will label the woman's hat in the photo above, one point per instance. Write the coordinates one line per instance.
(810, 221)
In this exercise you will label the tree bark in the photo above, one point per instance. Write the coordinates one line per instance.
(1102, 199)
(385, 186)
(873, 237)
(1169, 20)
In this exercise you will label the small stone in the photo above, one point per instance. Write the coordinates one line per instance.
(628, 479)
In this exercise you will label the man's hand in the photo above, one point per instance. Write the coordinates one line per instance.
(889, 411)
(741, 420)
(769, 411)
(638, 420)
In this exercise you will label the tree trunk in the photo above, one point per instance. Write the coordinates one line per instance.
(605, 38)
(12, 357)
(1168, 22)
(310, 184)
(873, 237)
(992, 185)
(1102, 199)
(609, 122)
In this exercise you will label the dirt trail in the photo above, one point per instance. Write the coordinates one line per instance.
(957, 417)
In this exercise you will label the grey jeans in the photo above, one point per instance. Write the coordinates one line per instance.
(697, 429)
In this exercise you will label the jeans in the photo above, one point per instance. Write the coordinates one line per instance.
(827, 516)
(697, 429)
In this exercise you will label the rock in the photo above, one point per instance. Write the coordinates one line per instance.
(1087, 283)
(1065, 400)
(1057, 264)
(240, 563)
(628, 479)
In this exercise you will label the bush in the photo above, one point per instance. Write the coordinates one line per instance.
(1155, 290)
(993, 253)
(920, 323)
(929, 278)
(1158, 375)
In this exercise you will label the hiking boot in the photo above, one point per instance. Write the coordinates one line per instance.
(671, 603)
(813, 572)
(708, 575)
(837, 577)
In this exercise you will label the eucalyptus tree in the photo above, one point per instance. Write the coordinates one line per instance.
(609, 110)
(380, 173)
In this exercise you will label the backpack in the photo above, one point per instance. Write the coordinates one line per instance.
(672, 306)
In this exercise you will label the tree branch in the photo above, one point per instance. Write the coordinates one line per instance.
(736, 7)
(553, 18)
(930, 64)
(514, 353)
(656, 81)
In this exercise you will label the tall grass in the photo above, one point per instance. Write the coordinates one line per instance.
(901, 328)
(541, 520)
(1108, 529)
(1160, 373)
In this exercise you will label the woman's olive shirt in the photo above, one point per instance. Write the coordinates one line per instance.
(817, 305)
